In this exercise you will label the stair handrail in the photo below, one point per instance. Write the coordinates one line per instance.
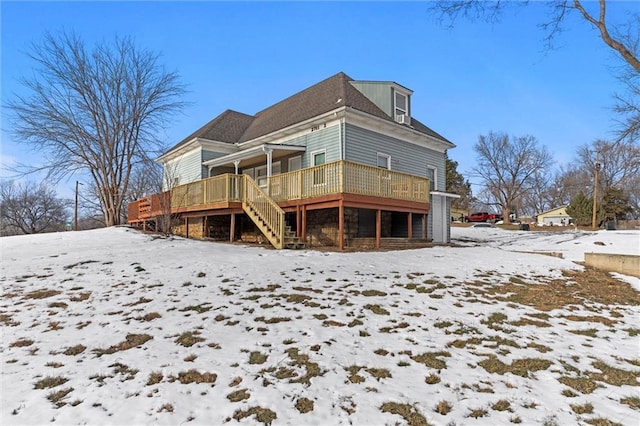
(265, 208)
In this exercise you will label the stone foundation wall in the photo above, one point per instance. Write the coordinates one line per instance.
(196, 228)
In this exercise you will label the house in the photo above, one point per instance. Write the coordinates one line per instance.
(342, 163)
(557, 216)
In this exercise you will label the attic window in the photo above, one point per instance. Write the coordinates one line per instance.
(401, 105)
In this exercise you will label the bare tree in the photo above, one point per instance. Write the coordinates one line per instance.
(95, 111)
(28, 208)
(507, 167)
(622, 37)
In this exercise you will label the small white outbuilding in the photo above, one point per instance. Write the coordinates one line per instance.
(557, 216)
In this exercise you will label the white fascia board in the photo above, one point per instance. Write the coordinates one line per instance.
(301, 128)
(395, 130)
(445, 194)
(198, 143)
(250, 153)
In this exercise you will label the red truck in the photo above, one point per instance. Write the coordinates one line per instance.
(483, 217)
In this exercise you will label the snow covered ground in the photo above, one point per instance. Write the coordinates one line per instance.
(112, 326)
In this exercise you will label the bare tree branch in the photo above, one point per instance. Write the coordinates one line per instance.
(95, 111)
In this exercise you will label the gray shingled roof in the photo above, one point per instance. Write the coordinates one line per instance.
(325, 96)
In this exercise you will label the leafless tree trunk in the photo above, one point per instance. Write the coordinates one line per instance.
(508, 166)
(30, 209)
(95, 112)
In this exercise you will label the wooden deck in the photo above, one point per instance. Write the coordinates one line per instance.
(340, 184)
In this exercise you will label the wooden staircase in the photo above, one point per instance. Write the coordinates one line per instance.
(268, 216)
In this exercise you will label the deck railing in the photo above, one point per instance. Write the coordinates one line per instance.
(348, 177)
(218, 189)
(327, 179)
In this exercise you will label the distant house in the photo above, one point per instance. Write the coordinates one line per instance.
(342, 163)
(557, 216)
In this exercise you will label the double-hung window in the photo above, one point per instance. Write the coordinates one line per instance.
(318, 159)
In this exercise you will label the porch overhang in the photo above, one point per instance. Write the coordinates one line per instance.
(276, 150)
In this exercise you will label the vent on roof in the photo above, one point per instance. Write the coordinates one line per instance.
(402, 118)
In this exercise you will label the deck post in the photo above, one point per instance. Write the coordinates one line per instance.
(186, 227)
(341, 225)
(378, 227)
(298, 221)
(232, 231)
(424, 226)
(409, 225)
(303, 233)
(205, 231)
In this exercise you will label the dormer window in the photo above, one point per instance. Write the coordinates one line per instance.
(401, 107)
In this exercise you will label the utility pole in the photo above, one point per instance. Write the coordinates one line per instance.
(75, 217)
(595, 196)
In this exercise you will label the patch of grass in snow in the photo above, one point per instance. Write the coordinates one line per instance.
(22, 342)
(201, 308)
(41, 294)
(154, 378)
(443, 407)
(257, 358)
(379, 373)
(377, 309)
(538, 347)
(298, 359)
(528, 321)
(74, 350)
(614, 376)
(166, 407)
(239, 395)
(57, 397)
(631, 401)
(273, 320)
(501, 405)
(590, 318)
(477, 412)
(432, 359)
(61, 305)
(269, 289)
(50, 382)
(432, 379)
(235, 382)
(262, 415)
(54, 364)
(190, 358)
(127, 372)
(582, 384)
(304, 405)
(194, 376)
(149, 317)
(371, 293)
(189, 338)
(586, 408)
(131, 341)
(575, 288)
(590, 332)
(408, 412)
(84, 262)
(138, 302)
(80, 297)
(601, 421)
(520, 367)
(7, 319)
(633, 332)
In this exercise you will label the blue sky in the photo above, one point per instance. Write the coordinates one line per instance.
(467, 80)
